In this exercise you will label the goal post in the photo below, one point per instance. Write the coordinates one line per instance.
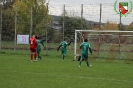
(106, 43)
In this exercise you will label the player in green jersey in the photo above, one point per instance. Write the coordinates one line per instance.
(63, 46)
(38, 47)
(85, 46)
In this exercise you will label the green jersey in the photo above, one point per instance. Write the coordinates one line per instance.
(38, 44)
(84, 46)
(63, 45)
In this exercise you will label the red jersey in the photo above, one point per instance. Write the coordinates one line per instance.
(32, 42)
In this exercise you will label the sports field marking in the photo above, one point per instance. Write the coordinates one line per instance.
(81, 77)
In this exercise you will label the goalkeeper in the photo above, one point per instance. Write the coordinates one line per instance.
(38, 47)
(63, 46)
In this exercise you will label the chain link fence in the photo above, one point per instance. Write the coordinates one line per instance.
(65, 19)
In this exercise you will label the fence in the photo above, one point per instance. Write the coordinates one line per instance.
(95, 15)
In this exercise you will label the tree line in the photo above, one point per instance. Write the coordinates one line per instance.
(23, 10)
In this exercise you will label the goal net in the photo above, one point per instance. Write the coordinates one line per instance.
(106, 44)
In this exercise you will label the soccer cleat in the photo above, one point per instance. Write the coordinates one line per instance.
(35, 60)
(89, 65)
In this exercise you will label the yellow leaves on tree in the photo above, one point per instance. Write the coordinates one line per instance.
(110, 26)
(130, 27)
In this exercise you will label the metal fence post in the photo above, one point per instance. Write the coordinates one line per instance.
(46, 27)
(31, 23)
(99, 32)
(15, 30)
(0, 25)
(63, 20)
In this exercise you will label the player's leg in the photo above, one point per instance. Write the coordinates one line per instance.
(38, 52)
(86, 59)
(63, 54)
(34, 52)
(79, 58)
(80, 61)
(31, 54)
(87, 62)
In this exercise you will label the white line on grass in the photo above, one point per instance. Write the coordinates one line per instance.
(81, 77)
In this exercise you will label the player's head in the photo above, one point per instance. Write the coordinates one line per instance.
(36, 37)
(64, 39)
(33, 35)
(85, 40)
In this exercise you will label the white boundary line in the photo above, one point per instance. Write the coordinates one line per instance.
(81, 77)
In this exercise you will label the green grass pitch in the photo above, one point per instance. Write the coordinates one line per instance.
(17, 71)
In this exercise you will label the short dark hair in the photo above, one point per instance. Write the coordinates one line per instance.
(85, 40)
(36, 37)
(64, 39)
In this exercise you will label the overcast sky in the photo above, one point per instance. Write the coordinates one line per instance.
(58, 2)
(91, 12)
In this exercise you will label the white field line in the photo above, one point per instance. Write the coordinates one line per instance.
(81, 77)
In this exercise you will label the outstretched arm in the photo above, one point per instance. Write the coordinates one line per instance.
(69, 43)
(42, 43)
(90, 51)
(58, 48)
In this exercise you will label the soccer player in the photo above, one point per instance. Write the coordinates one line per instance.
(39, 42)
(63, 46)
(32, 43)
(85, 46)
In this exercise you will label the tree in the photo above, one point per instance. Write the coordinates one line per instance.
(122, 28)
(72, 24)
(31, 12)
(7, 20)
(130, 27)
(110, 26)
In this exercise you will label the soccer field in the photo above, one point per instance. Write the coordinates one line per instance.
(17, 71)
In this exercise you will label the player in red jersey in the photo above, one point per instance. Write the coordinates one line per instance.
(33, 44)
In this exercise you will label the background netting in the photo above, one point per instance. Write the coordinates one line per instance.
(108, 45)
(91, 13)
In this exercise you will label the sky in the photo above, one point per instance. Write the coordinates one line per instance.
(58, 2)
(91, 12)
